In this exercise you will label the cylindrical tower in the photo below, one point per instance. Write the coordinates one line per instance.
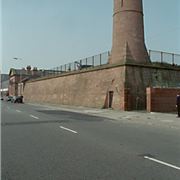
(128, 33)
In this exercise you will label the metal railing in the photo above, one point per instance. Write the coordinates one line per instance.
(86, 63)
(102, 59)
(164, 57)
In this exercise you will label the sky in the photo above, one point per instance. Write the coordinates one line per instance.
(50, 33)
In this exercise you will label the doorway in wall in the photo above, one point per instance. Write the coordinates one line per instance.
(110, 99)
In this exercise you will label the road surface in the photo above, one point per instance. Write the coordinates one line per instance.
(40, 143)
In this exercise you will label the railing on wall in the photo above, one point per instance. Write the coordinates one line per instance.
(102, 59)
(164, 57)
(86, 63)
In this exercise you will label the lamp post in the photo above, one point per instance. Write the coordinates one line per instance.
(20, 78)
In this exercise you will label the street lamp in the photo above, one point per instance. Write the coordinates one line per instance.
(16, 58)
(20, 78)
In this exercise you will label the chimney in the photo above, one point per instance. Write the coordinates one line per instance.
(28, 69)
(128, 33)
(34, 71)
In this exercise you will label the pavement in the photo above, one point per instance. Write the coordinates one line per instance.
(166, 120)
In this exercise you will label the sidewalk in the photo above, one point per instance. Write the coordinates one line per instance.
(134, 117)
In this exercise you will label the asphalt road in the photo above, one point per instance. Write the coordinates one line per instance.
(38, 143)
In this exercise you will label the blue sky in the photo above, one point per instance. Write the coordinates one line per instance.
(49, 33)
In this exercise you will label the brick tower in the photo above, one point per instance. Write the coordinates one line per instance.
(128, 44)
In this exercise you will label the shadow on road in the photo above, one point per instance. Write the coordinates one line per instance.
(73, 116)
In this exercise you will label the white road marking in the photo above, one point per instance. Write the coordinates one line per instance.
(161, 162)
(34, 117)
(68, 129)
(18, 110)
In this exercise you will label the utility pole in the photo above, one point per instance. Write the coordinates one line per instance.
(20, 78)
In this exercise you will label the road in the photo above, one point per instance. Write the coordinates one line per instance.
(40, 143)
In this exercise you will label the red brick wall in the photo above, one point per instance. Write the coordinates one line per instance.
(138, 78)
(89, 88)
(161, 99)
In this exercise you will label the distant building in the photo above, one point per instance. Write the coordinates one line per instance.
(4, 84)
(18, 77)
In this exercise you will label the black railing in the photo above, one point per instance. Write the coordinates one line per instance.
(86, 63)
(164, 57)
(103, 58)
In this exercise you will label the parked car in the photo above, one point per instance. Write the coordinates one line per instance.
(17, 99)
(9, 98)
(13, 99)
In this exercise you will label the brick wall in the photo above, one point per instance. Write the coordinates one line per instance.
(138, 78)
(161, 99)
(92, 87)
(89, 88)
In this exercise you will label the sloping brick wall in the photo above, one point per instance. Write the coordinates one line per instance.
(89, 88)
(161, 99)
(92, 88)
(138, 78)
